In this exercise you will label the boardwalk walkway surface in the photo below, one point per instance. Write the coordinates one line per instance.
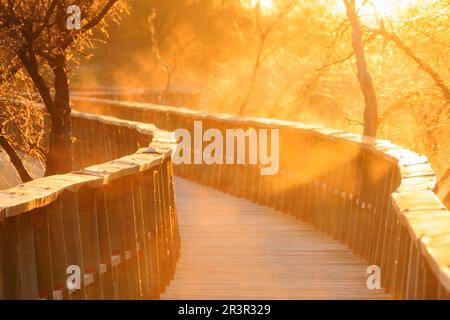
(235, 249)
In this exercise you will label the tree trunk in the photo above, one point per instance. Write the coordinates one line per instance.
(163, 95)
(364, 78)
(59, 157)
(15, 160)
(251, 86)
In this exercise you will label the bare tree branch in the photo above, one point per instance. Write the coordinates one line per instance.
(15, 159)
(419, 61)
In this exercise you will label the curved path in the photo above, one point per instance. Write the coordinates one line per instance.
(235, 249)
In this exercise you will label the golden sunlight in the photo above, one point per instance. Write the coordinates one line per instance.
(383, 9)
(267, 6)
(225, 150)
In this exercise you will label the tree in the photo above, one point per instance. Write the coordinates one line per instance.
(364, 77)
(40, 39)
(422, 64)
(263, 32)
(170, 64)
(189, 37)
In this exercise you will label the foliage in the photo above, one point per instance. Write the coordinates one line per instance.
(37, 52)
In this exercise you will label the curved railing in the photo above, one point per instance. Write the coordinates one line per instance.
(98, 139)
(371, 194)
(108, 231)
(173, 97)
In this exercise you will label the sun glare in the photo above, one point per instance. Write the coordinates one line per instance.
(383, 9)
(267, 6)
(370, 10)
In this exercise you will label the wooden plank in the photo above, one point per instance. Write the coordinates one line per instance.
(107, 271)
(234, 249)
(142, 249)
(113, 209)
(43, 253)
(87, 212)
(72, 235)
(26, 257)
(128, 215)
(150, 226)
(57, 245)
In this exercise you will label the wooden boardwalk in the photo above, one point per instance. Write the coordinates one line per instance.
(235, 249)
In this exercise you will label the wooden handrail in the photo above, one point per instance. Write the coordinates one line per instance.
(371, 194)
(115, 221)
(174, 97)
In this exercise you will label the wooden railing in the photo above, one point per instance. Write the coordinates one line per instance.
(98, 139)
(174, 97)
(114, 222)
(371, 194)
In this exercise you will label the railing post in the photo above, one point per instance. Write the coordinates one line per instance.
(108, 262)
(57, 249)
(382, 210)
(306, 184)
(72, 237)
(87, 213)
(19, 273)
(391, 239)
(105, 133)
(43, 253)
(405, 262)
(128, 218)
(148, 186)
(169, 216)
(355, 209)
(413, 271)
(163, 249)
